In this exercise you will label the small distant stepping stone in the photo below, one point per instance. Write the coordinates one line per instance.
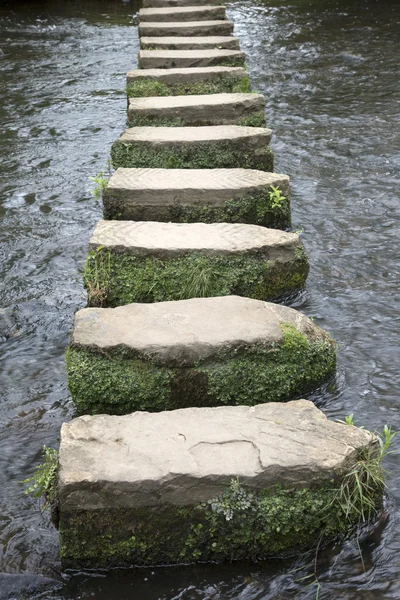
(133, 261)
(190, 43)
(200, 352)
(221, 146)
(198, 195)
(178, 82)
(188, 28)
(171, 59)
(261, 481)
(161, 3)
(185, 13)
(211, 109)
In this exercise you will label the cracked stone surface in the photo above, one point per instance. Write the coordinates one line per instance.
(182, 13)
(188, 28)
(182, 76)
(170, 59)
(186, 456)
(180, 333)
(190, 43)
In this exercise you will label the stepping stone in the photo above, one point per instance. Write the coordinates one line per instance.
(132, 261)
(227, 350)
(160, 3)
(185, 13)
(221, 146)
(178, 82)
(262, 482)
(211, 109)
(188, 28)
(183, 59)
(190, 43)
(198, 195)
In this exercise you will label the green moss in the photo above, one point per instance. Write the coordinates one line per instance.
(255, 120)
(116, 382)
(150, 87)
(256, 208)
(237, 525)
(117, 278)
(219, 154)
(228, 61)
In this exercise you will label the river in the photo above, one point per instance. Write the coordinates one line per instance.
(329, 70)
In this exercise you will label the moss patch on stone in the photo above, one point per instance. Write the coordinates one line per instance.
(254, 120)
(142, 87)
(115, 382)
(237, 525)
(218, 154)
(256, 208)
(118, 278)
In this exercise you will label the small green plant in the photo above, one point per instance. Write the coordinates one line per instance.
(349, 420)
(43, 481)
(96, 276)
(101, 181)
(276, 197)
(234, 500)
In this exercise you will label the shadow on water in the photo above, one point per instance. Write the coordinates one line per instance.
(329, 70)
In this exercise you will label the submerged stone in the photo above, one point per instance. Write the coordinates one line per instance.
(185, 59)
(199, 195)
(179, 82)
(182, 13)
(198, 352)
(190, 43)
(211, 109)
(132, 261)
(188, 28)
(204, 484)
(221, 146)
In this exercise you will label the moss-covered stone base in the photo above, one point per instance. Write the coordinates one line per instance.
(215, 155)
(254, 120)
(142, 87)
(115, 382)
(237, 525)
(257, 208)
(117, 278)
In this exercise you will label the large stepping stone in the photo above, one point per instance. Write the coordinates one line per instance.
(221, 146)
(184, 59)
(211, 109)
(185, 13)
(132, 261)
(200, 352)
(178, 82)
(185, 28)
(160, 3)
(205, 484)
(190, 43)
(199, 195)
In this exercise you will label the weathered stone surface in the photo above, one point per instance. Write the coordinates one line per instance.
(221, 146)
(185, 13)
(161, 3)
(195, 195)
(197, 80)
(211, 109)
(182, 28)
(134, 261)
(190, 43)
(175, 59)
(111, 461)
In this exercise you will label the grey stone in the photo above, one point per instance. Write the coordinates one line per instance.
(185, 13)
(154, 191)
(187, 456)
(190, 43)
(181, 333)
(162, 3)
(167, 240)
(182, 28)
(171, 59)
(186, 76)
(211, 109)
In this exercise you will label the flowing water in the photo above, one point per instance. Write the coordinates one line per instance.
(329, 71)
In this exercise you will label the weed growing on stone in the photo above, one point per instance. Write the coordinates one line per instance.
(43, 481)
(101, 181)
(96, 276)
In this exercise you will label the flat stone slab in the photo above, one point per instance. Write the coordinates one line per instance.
(202, 351)
(211, 109)
(221, 146)
(185, 13)
(190, 43)
(175, 59)
(194, 195)
(131, 489)
(177, 82)
(246, 260)
(188, 28)
(162, 3)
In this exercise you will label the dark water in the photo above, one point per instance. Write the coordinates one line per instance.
(330, 73)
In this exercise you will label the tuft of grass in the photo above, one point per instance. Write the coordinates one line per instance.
(101, 180)
(96, 276)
